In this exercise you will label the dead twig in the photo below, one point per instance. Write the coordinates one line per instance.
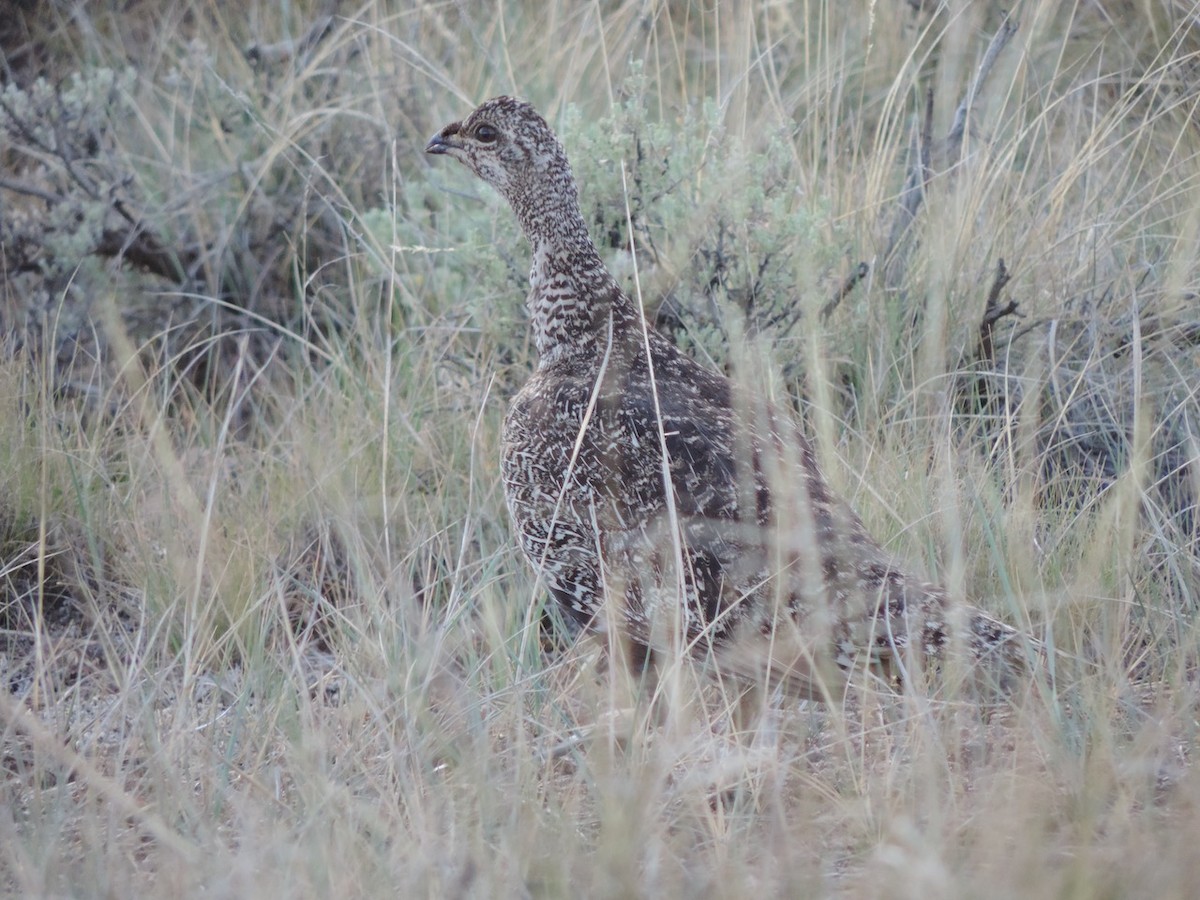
(921, 172)
(919, 175)
(958, 130)
(285, 50)
(976, 393)
(993, 312)
(145, 250)
(30, 190)
(852, 280)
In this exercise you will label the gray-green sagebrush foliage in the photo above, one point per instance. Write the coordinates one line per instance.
(738, 247)
(202, 210)
(58, 137)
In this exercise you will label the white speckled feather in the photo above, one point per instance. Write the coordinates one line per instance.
(743, 555)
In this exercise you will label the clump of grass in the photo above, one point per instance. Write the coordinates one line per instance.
(264, 627)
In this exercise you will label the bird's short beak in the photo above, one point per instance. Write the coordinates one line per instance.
(443, 141)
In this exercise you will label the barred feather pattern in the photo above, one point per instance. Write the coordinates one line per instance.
(655, 498)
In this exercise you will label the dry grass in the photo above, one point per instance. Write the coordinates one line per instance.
(263, 627)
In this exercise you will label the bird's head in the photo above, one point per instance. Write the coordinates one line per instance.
(507, 144)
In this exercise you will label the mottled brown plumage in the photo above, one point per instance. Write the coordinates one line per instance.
(733, 549)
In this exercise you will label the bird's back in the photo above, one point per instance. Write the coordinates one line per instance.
(735, 550)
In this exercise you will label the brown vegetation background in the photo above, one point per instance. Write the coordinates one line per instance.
(263, 627)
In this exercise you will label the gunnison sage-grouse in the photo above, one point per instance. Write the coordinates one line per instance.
(656, 498)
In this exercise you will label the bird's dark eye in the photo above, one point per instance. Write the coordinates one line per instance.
(487, 134)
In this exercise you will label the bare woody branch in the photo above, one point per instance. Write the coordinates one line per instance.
(852, 280)
(921, 171)
(993, 312)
